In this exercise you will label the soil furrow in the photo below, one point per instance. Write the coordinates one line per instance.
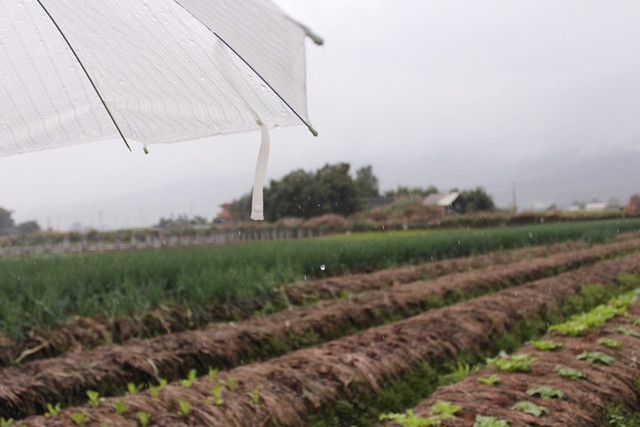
(89, 332)
(309, 380)
(29, 387)
(586, 401)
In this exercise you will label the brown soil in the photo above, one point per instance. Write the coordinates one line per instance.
(29, 387)
(586, 401)
(89, 332)
(311, 379)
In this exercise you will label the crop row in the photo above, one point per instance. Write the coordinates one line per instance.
(284, 390)
(45, 291)
(84, 332)
(576, 377)
(27, 388)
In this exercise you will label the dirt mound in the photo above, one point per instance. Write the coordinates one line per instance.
(287, 387)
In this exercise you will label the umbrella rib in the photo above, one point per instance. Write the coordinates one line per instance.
(95, 88)
(313, 131)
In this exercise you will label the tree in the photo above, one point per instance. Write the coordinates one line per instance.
(307, 194)
(366, 182)
(471, 201)
(6, 222)
(28, 227)
(633, 207)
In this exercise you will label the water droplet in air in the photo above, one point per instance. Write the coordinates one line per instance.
(322, 267)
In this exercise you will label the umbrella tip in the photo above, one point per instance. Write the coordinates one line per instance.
(313, 36)
(145, 149)
(313, 130)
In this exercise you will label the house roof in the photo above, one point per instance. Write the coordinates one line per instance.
(437, 199)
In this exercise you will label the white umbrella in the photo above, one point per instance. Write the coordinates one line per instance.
(153, 71)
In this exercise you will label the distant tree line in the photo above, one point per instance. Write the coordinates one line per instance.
(8, 226)
(332, 189)
(302, 194)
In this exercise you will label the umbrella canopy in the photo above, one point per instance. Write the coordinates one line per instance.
(147, 72)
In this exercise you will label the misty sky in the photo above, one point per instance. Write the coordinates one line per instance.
(544, 95)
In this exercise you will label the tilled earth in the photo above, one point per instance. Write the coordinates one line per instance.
(283, 390)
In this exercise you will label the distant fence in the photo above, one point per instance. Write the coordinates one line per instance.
(158, 240)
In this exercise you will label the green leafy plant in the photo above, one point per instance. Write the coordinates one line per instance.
(490, 380)
(191, 377)
(254, 397)
(445, 410)
(439, 411)
(522, 362)
(410, 419)
(628, 332)
(572, 374)
(216, 392)
(143, 418)
(546, 345)
(636, 322)
(610, 343)
(185, 407)
(458, 371)
(530, 408)
(133, 389)
(79, 418)
(94, 398)
(484, 421)
(230, 382)
(213, 373)
(546, 392)
(52, 410)
(6, 422)
(120, 406)
(596, 357)
(155, 390)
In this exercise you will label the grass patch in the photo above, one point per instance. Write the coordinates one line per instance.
(44, 291)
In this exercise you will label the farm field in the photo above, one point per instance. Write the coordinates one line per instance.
(334, 350)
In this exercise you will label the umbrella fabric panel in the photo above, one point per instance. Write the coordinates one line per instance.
(45, 99)
(163, 73)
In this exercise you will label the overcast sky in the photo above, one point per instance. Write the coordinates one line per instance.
(542, 95)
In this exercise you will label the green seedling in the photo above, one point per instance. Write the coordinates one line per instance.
(216, 392)
(191, 377)
(546, 392)
(120, 406)
(628, 332)
(254, 397)
(610, 343)
(230, 383)
(572, 374)
(6, 422)
(133, 389)
(410, 419)
(52, 410)
(143, 418)
(490, 380)
(636, 322)
(445, 410)
(94, 398)
(546, 345)
(530, 408)
(596, 357)
(155, 390)
(581, 323)
(79, 418)
(213, 373)
(517, 363)
(185, 407)
(439, 411)
(484, 421)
